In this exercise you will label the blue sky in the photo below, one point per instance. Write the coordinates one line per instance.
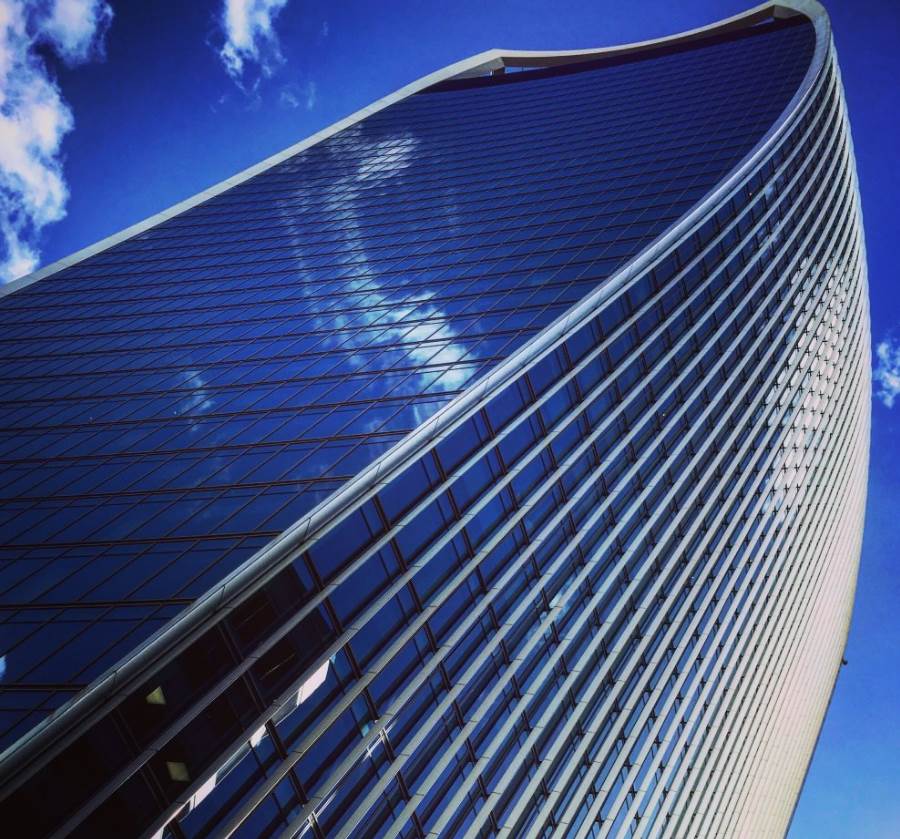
(110, 112)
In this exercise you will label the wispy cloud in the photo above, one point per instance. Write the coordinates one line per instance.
(289, 97)
(887, 371)
(34, 117)
(251, 48)
(293, 96)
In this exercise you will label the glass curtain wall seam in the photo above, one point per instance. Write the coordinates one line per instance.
(474, 458)
(780, 127)
(547, 623)
(373, 735)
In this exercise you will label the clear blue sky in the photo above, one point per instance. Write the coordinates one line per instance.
(160, 119)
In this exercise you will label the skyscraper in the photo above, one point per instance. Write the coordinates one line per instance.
(491, 463)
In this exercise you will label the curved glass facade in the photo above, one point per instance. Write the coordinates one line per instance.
(493, 467)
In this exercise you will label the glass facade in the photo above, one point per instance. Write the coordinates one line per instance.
(492, 467)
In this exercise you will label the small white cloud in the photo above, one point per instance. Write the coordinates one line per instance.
(293, 96)
(251, 45)
(288, 97)
(78, 28)
(323, 32)
(887, 371)
(34, 118)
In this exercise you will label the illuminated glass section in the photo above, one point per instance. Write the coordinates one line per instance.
(493, 466)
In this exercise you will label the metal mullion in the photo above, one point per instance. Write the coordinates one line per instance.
(853, 544)
(718, 720)
(664, 776)
(660, 783)
(860, 499)
(661, 716)
(842, 384)
(848, 392)
(637, 801)
(787, 666)
(460, 470)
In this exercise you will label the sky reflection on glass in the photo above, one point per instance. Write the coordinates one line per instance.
(170, 405)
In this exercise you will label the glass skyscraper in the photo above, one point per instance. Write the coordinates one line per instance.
(492, 463)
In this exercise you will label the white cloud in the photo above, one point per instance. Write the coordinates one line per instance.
(251, 45)
(288, 97)
(292, 96)
(78, 27)
(887, 371)
(34, 118)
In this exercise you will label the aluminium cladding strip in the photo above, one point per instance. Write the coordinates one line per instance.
(862, 383)
(773, 648)
(533, 782)
(280, 774)
(722, 779)
(841, 620)
(714, 681)
(587, 728)
(23, 758)
(641, 793)
(858, 442)
(637, 762)
(553, 614)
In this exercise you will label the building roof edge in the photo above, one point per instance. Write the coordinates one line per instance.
(479, 64)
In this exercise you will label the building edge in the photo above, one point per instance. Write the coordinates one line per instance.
(847, 622)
